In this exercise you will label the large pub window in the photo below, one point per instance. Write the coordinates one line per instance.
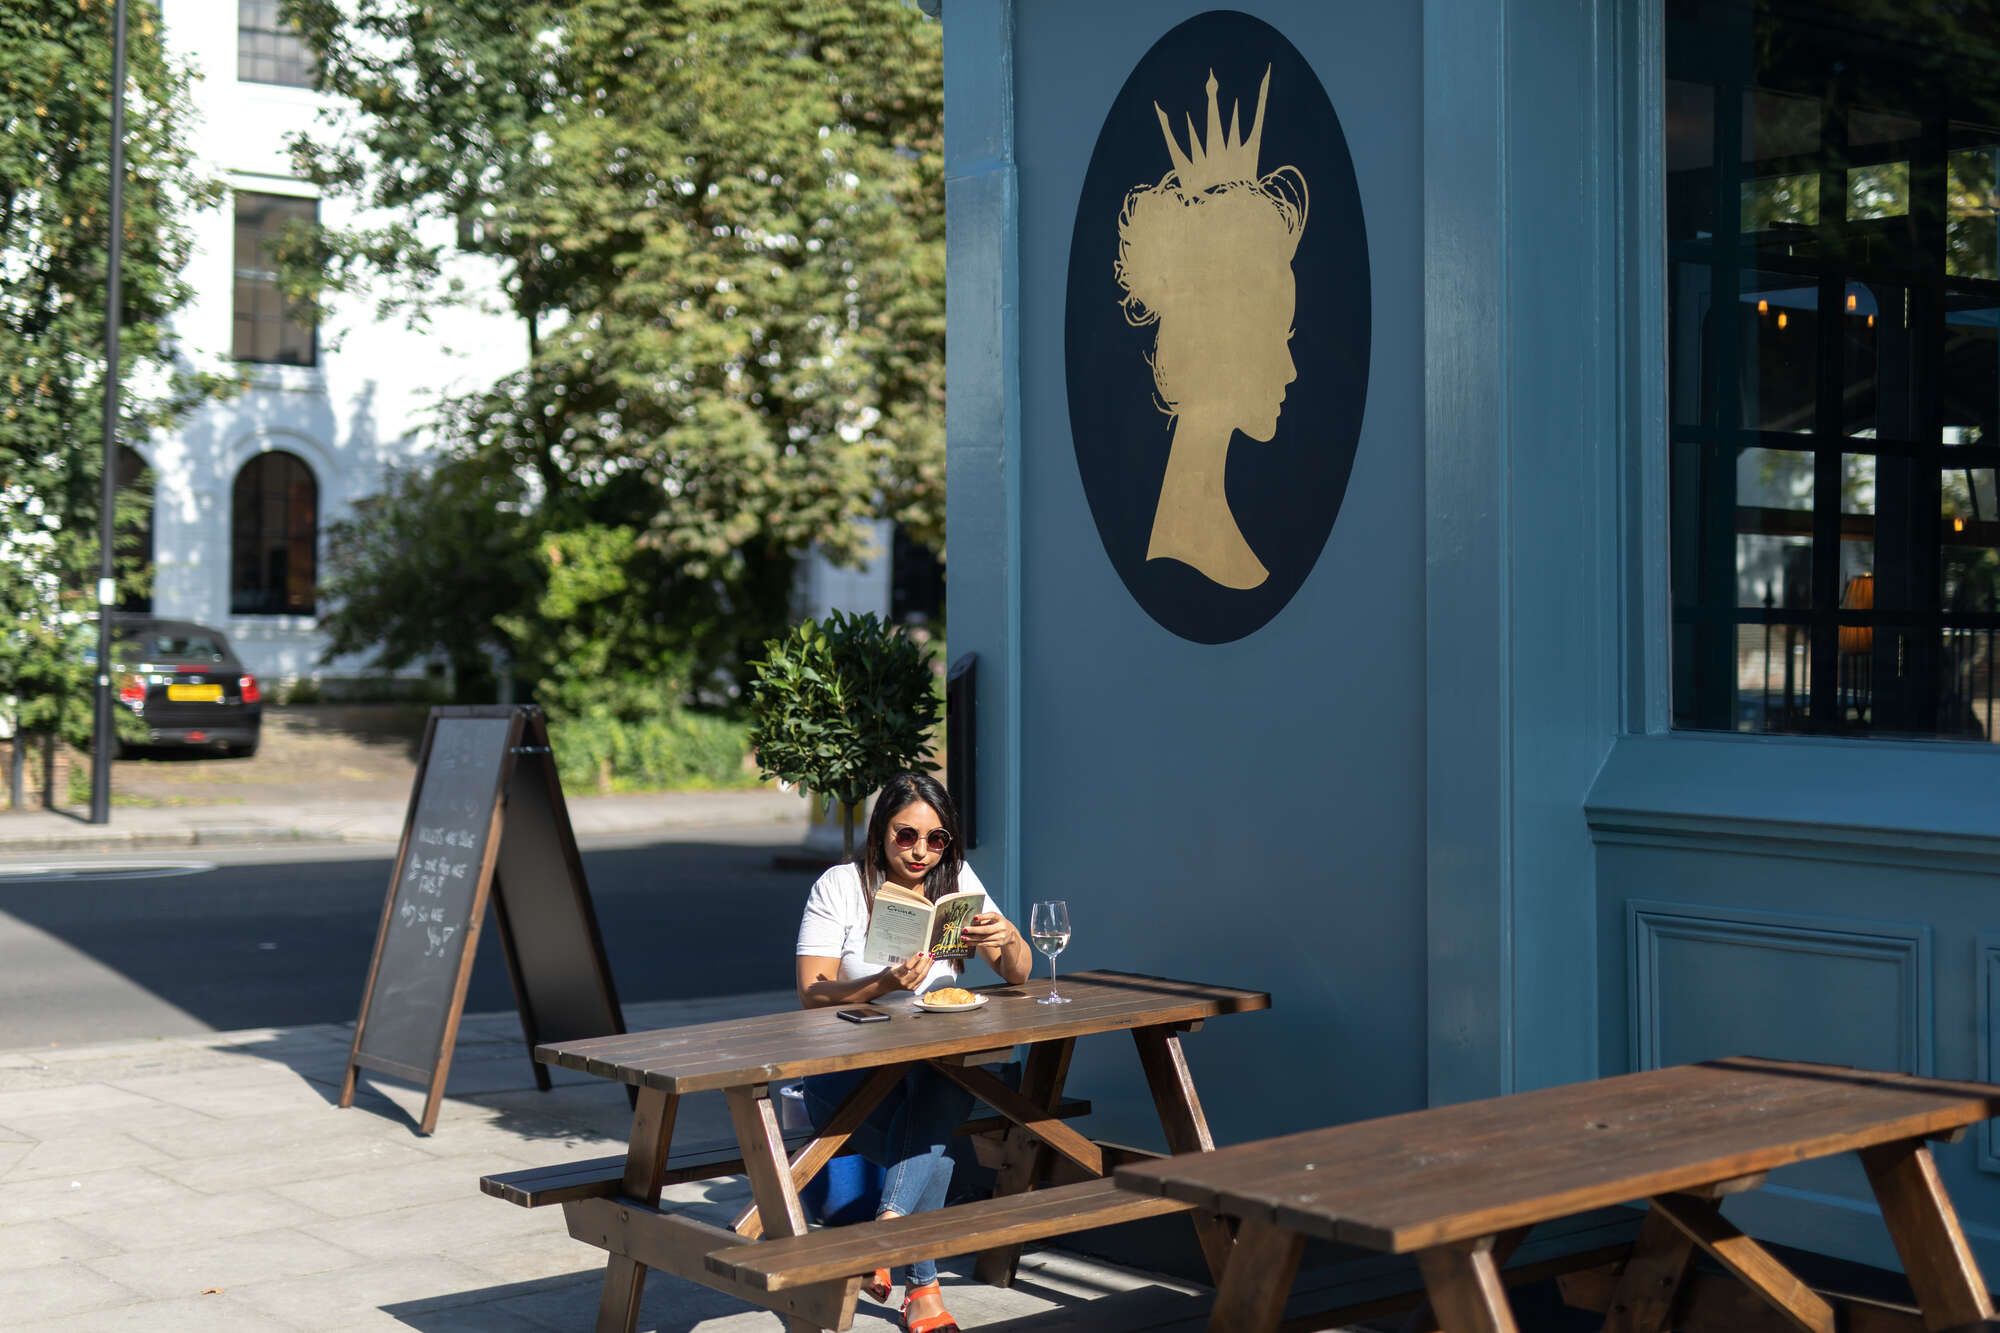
(1834, 365)
(274, 536)
(269, 327)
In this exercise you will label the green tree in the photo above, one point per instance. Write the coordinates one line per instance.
(840, 708)
(55, 107)
(721, 223)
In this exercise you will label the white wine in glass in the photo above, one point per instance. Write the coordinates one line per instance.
(1048, 927)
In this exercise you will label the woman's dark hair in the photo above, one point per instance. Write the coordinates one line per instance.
(898, 793)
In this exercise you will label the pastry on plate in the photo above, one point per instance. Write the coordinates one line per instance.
(949, 995)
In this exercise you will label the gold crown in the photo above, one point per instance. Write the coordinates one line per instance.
(1226, 156)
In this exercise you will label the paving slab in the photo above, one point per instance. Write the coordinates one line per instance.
(77, 1153)
(219, 1313)
(176, 1271)
(354, 1296)
(46, 1241)
(59, 1196)
(58, 1289)
(210, 1216)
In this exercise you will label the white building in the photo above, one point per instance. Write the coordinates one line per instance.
(244, 488)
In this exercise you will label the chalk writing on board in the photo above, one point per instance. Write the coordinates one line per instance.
(427, 876)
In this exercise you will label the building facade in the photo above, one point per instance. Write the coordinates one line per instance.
(244, 488)
(1478, 518)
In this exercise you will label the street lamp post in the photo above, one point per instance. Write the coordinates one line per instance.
(107, 586)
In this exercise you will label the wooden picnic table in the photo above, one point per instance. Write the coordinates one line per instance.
(769, 1258)
(1460, 1186)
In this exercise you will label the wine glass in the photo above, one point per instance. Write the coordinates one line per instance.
(1048, 927)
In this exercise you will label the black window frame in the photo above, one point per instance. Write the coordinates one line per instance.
(266, 327)
(267, 541)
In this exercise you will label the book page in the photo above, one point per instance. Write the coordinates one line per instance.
(897, 929)
(953, 914)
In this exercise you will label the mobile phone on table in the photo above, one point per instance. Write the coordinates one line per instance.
(864, 1015)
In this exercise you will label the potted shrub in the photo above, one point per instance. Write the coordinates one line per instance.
(841, 707)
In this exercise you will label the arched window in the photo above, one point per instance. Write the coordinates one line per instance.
(274, 537)
(135, 486)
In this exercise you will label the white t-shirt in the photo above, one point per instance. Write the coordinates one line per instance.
(835, 924)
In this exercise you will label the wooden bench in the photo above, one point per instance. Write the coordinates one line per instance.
(1459, 1186)
(601, 1177)
(834, 1253)
(619, 1210)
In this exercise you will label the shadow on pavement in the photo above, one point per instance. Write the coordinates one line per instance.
(278, 944)
(675, 1306)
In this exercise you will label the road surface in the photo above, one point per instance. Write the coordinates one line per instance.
(145, 945)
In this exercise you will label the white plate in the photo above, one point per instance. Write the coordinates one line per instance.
(923, 1002)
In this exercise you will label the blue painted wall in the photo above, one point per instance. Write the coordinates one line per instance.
(1248, 812)
(1434, 806)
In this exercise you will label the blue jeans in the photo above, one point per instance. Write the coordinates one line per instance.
(908, 1135)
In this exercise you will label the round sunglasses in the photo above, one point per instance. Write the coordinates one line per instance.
(905, 838)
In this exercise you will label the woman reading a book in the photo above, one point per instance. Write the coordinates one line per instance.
(912, 845)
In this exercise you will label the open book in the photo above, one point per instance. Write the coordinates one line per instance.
(905, 923)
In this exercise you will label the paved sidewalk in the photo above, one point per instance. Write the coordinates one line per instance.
(210, 1184)
(378, 821)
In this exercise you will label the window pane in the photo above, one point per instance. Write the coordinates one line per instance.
(1970, 532)
(1775, 203)
(1690, 118)
(1777, 326)
(268, 327)
(1880, 191)
(1972, 249)
(1693, 340)
(268, 49)
(1971, 371)
(1774, 504)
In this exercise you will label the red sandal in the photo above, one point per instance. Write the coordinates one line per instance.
(879, 1286)
(937, 1323)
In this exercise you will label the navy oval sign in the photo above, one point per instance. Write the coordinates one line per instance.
(1217, 326)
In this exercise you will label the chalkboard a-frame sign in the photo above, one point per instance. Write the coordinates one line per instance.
(487, 820)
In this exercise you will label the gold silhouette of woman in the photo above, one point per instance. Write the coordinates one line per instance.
(1207, 255)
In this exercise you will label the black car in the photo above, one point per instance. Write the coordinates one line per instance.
(184, 682)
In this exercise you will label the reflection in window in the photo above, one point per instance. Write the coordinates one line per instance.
(1778, 337)
(1971, 371)
(274, 537)
(1777, 202)
(1774, 504)
(1972, 248)
(1881, 191)
(1833, 224)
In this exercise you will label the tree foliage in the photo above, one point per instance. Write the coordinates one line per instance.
(55, 134)
(840, 708)
(721, 222)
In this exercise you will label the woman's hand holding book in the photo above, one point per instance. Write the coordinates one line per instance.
(906, 975)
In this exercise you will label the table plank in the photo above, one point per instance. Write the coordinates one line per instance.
(771, 1047)
(1455, 1173)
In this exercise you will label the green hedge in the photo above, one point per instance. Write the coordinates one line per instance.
(672, 752)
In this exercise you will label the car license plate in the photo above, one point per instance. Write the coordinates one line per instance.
(194, 694)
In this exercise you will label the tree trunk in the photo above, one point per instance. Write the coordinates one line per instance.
(847, 830)
(48, 770)
(17, 772)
